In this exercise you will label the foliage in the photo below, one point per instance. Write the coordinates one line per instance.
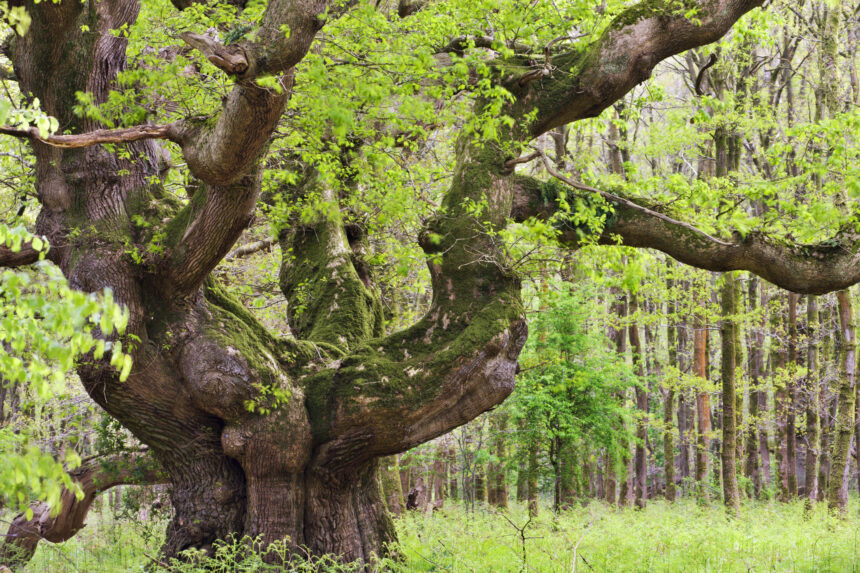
(663, 537)
(571, 378)
(45, 327)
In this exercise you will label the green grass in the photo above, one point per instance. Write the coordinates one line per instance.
(682, 537)
(663, 538)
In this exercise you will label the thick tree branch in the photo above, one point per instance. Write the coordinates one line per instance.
(222, 152)
(98, 136)
(27, 255)
(230, 59)
(584, 83)
(93, 477)
(206, 229)
(615, 199)
(329, 300)
(251, 248)
(807, 269)
(458, 361)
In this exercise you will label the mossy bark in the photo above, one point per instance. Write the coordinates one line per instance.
(813, 403)
(844, 428)
(729, 308)
(389, 476)
(640, 457)
(669, 400)
(703, 408)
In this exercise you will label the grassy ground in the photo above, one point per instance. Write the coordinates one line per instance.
(663, 538)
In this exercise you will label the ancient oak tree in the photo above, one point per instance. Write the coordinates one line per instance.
(274, 435)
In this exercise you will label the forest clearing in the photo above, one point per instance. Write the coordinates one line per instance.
(429, 285)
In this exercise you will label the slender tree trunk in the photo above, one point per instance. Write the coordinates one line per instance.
(829, 401)
(480, 483)
(703, 407)
(684, 430)
(522, 483)
(728, 336)
(641, 456)
(532, 481)
(654, 370)
(498, 484)
(451, 459)
(568, 484)
(752, 468)
(611, 480)
(685, 415)
(599, 482)
(440, 477)
(836, 494)
(778, 359)
(404, 466)
(668, 444)
(618, 336)
(812, 400)
(791, 418)
(392, 490)
(764, 439)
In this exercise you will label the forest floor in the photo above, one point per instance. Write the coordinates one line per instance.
(672, 538)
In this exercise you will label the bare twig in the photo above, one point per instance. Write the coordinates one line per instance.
(511, 163)
(98, 136)
(522, 533)
(576, 547)
(158, 562)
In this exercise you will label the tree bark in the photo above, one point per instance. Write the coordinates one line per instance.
(389, 476)
(791, 418)
(533, 493)
(844, 428)
(728, 325)
(440, 477)
(778, 360)
(812, 401)
(640, 458)
(498, 483)
(829, 401)
(752, 468)
(703, 408)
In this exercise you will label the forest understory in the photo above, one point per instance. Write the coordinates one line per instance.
(663, 538)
